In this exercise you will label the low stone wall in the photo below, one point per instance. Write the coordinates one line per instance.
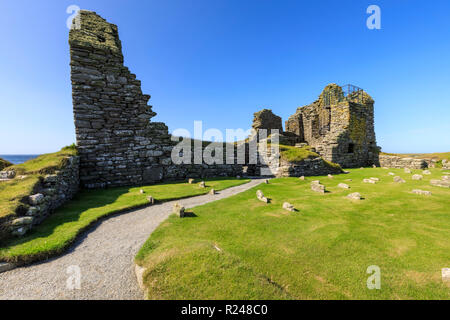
(398, 162)
(445, 164)
(307, 167)
(50, 193)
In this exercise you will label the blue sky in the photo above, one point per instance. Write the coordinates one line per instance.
(220, 61)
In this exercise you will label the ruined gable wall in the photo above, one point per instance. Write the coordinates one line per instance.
(341, 131)
(117, 143)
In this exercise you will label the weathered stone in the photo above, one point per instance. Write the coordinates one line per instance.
(343, 186)
(422, 192)
(32, 211)
(426, 172)
(261, 197)
(441, 183)
(289, 207)
(141, 191)
(191, 181)
(399, 179)
(340, 127)
(302, 178)
(446, 178)
(179, 210)
(151, 200)
(417, 177)
(317, 187)
(266, 181)
(330, 176)
(446, 274)
(7, 174)
(369, 181)
(407, 170)
(375, 179)
(391, 174)
(6, 266)
(265, 119)
(202, 184)
(212, 191)
(36, 199)
(22, 221)
(354, 196)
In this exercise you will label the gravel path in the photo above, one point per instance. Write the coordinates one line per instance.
(104, 255)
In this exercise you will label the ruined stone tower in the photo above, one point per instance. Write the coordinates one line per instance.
(117, 143)
(339, 125)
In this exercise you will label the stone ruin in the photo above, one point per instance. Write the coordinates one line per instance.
(118, 143)
(339, 126)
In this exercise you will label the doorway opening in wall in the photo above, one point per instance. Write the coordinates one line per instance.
(351, 148)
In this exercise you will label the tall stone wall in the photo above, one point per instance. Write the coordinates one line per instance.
(339, 128)
(117, 143)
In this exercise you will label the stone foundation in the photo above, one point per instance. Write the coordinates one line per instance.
(49, 194)
(398, 162)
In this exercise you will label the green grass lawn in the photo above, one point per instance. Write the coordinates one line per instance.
(242, 248)
(59, 230)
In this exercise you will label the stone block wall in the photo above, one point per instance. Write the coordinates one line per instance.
(341, 129)
(50, 193)
(398, 162)
(117, 143)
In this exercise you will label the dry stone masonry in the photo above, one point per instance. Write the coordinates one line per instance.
(50, 193)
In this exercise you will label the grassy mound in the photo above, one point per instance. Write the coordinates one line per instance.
(4, 164)
(242, 248)
(46, 163)
(294, 154)
(14, 192)
(60, 229)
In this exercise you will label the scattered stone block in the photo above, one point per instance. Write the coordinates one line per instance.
(261, 197)
(330, 176)
(441, 183)
(178, 209)
(151, 200)
(354, 196)
(36, 199)
(422, 192)
(374, 166)
(399, 179)
(289, 207)
(266, 181)
(446, 178)
(191, 181)
(212, 191)
(317, 187)
(369, 181)
(446, 274)
(375, 179)
(391, 174)
(417, 177)
(407, 170)
(202, 184)
(6, 266)
(343, 186)
(141, 191)
(426, 172)
(302, 178)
